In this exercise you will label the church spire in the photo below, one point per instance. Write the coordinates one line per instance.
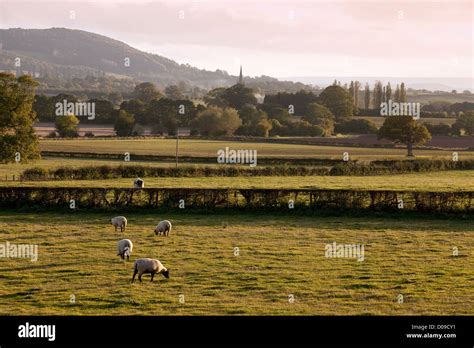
(241, 78)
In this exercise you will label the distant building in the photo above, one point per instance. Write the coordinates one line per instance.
(241, 77)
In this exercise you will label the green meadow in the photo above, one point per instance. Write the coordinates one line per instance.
(278, 258)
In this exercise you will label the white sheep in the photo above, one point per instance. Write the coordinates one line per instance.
(163, 227)
(119, 221)
(152, 266)
(124, 248)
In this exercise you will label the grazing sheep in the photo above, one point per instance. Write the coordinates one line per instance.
(139, 183)
(152, 266)
(119, 221)
(163, 227)
(124, 248)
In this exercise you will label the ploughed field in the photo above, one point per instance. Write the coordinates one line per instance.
(277, 256)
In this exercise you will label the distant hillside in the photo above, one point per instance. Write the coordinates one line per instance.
(64, 54)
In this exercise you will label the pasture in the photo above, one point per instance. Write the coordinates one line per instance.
(277, 256)
(453, 180)
(209, 148)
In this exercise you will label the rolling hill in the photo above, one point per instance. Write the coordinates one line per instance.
(64, 54)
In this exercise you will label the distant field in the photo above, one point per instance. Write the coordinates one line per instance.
(209, 148)
(433, 181)
(380, 120)
(278, 256)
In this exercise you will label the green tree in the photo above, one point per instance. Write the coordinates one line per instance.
(397, 94)
(217, 121)
(250, 115)
(351, 89)
(173, 92)
(294, 103)
(146, 92)
(404, 130)
(230, 121)
(44, 108)
(214, 97)
(465, 122)
(138, 109)
(124, 124)
(16, 118)
(367, 96)
(388, 92)
(319, 115)
(67, 126)
(356, 127)
(238, 95)
(357, 86)
(280, 114)
(169, 123)
(104, 111)
(378, 93)
(338, 100)
(403, 93)
(263, 127)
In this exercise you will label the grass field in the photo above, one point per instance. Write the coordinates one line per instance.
(433, 120)
(209, 148)
(278, 256)
(434, 181)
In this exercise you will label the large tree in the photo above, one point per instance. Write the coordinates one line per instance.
(173, 92)
(124, 124)
(396, 95)
(146, 92)
(16, 118)
(357, 86)
(404, 130)
(388, 92)
(367, 96)
(294, 103)
(217, 121)
(403, 93)
(138, 109)
(319, 115)
(378, 95)
(254, 121)
(263, 128)
(104, 111)
(338, 100)
(44, 108)
(67, 126)
(238, 95)
(465, 122)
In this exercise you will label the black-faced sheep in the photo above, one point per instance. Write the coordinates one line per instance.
(124, 248)
(164, 227)
(119, 221)
(152, 266)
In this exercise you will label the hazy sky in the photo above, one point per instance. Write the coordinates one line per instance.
(277, 38)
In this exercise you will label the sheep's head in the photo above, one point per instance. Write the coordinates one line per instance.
(126, 252)
(166, 273)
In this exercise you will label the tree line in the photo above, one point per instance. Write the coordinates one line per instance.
(224, 111)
